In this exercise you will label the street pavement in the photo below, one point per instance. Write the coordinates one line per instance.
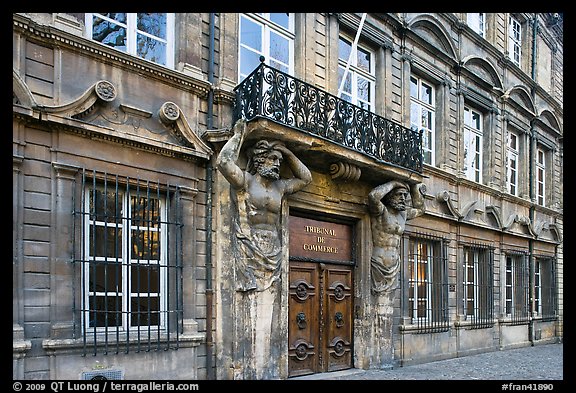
(537, 363)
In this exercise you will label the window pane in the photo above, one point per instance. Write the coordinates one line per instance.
(145, 245)
(413, 87)
(109, 33)
(105, 311)
(251, 34)
(249, 60)
(118, 16)
(105, 241)
(105, 277)
(363, 89)
(347, 83)
(426, 118)
(280, 18)
(145, 212)
(145, 311)
(344, 49)
(151, 49)
(279, 48)
(278, 66)
(426, 93)
(152, 23)
(363, 61)
(145, 278)
(105, 206)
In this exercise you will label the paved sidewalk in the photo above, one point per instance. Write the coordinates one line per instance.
(540, 362)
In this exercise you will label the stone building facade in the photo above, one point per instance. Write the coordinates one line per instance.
(125, 261)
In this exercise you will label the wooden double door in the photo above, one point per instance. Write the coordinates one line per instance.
(320, 317)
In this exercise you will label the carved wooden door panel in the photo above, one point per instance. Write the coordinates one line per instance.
(338, 317)
(303, 323)
(320, 318)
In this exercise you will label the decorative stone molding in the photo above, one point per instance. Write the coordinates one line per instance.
(80, 107)
(344, 171)
(171, 116)
(521, 220)
(444, 197)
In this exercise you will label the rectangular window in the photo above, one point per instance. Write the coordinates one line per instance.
(512, 164)
(476, 21)
(427, 284)
(270, 35)
(545, 287)
(147, 35)
(473, 144)
(131, 271)
(540, 177)
(478, 290)
(422, 114)
(514, 40)
(358, 87)
(516, 287)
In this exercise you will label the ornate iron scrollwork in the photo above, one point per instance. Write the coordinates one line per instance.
(273, 94)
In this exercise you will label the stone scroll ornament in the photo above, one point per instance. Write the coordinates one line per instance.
(389, 213)
(256, 203)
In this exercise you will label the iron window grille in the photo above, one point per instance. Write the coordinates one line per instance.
(545, 287)
(427, 283)
(478, 285)
(130, 264)
(517, 285)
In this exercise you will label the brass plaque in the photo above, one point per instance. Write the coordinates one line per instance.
(320, 240)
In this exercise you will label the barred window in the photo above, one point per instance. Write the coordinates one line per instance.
(516, 287)
(545, 287)
(478, 288)
(427, 284)
(131, 275)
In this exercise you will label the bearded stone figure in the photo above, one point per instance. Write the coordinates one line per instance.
(256, 195)
(389, 213)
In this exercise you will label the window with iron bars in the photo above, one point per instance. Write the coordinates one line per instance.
(427, 283)
(129, 264)
(478, 285)
(545, 287)
(516, 282)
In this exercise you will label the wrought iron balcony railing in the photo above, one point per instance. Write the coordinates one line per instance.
(275, 95)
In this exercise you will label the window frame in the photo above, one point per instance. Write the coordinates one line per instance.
(127, 262)
(474, 173)
(477, 22)
(436, 317)
(516, 285)
(355, 73)
(515, 40)
(268, 27)
(132, 32)
(512, 156)
(545, 296)
(480, 289)
(540, 177)
(417, 106)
